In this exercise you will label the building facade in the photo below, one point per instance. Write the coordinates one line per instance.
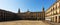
(32, 15)
(53, 13)
(7, 15)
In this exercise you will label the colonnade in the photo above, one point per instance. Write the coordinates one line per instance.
(55, 19)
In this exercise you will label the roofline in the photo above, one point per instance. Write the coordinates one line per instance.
(52, 5)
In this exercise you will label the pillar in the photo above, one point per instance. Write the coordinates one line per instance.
(54, 19)
(57, 19)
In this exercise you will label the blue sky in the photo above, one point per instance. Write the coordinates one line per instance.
(24, 5)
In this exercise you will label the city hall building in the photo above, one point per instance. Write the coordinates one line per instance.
(32, 15)
(53, 13)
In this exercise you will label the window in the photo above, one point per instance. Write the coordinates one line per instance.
(53, 8)
(56, 12)
(56, 6)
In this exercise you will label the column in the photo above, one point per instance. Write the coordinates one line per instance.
(54, 19)
(57, 19)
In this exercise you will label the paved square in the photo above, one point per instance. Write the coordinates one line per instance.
(24, 22)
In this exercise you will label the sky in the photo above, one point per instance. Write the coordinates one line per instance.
(24, 5)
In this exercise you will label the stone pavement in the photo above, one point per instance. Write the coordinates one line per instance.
(52, 23)
(55, 23)
(24, 22)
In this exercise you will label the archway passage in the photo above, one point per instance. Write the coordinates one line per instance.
(56, 18)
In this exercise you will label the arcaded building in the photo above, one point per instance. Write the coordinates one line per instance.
(53, 13)
(32, 15)
(7, 15)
